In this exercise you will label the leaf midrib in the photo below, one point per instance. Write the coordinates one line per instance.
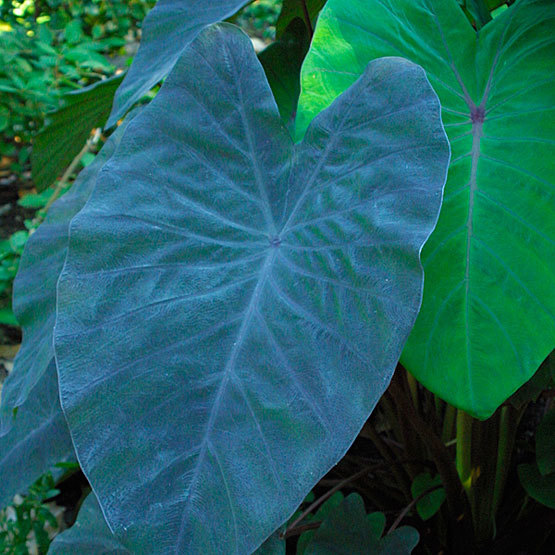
(228, 372)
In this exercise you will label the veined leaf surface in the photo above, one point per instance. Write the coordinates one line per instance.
(233, 305)
(488, 314)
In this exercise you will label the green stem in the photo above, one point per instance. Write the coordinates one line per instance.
(461, 519)
(464, 450)
(439, 406)
(485, 442)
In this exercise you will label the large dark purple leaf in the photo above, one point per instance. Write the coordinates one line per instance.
(233, 305)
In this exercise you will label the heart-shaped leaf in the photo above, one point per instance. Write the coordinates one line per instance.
(233, 305)
(348, 530)
(38, 440)
(321, 514)
(428, 505)
(167, 30)
(35, 287)
(488, 315)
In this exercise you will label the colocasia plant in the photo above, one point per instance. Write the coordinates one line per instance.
(214, 309)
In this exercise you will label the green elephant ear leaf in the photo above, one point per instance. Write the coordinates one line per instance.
(167, 30)
(348, 530)
(488, 315)
(248, 297)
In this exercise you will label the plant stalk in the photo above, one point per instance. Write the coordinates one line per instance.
(457, 502)
(464, 449)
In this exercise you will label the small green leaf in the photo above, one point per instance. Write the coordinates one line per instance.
(348, 530)
(321, 514)
(87, 159)
(4, 118)
(45, 35)
(35, 200)
(18, 240)
(67, 465)
(7, 317)
(430, 504)
(73, 31)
